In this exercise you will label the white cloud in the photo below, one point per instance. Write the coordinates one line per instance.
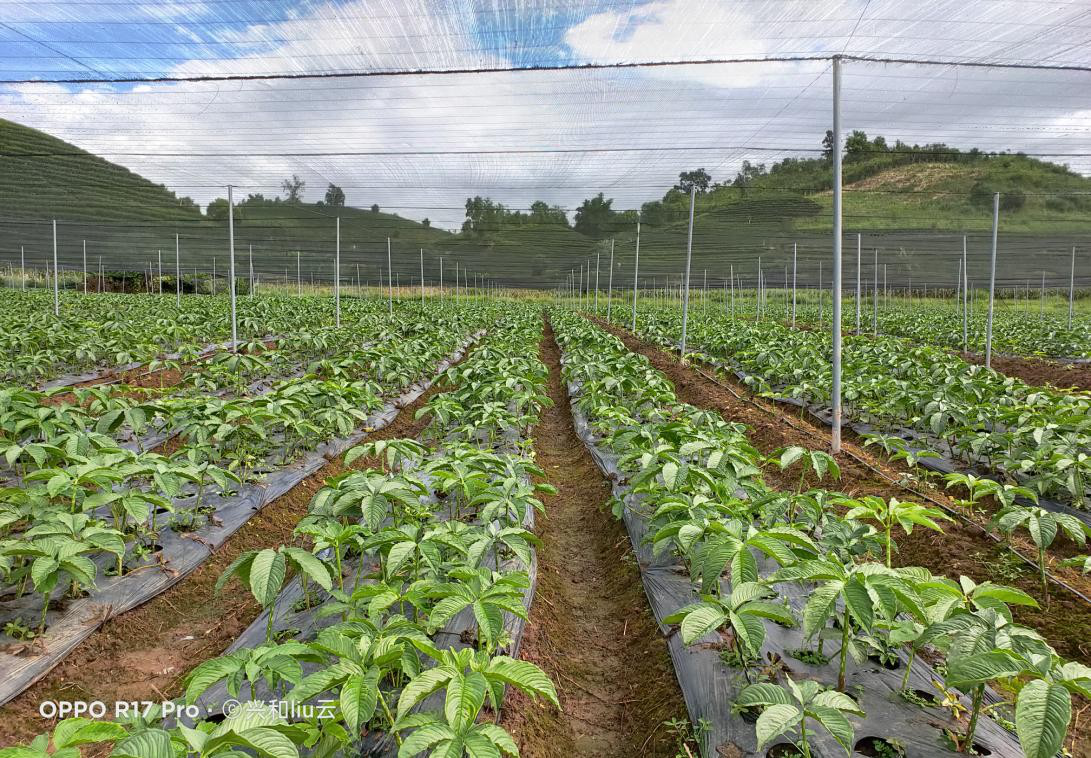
(732, 110)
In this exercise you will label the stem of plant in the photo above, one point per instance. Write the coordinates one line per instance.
(269, 622)
(1042, 574)
(389, 716)
(845, 630)
(975, 711)
(909, 667)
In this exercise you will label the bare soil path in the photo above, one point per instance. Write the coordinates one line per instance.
(590, 626)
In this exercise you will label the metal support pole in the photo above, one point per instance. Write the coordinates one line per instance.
(835, 439)
(795, 263)
(390, 278)
(422, 276)
(731, 276)
(85, 267)
(685, 284)
(858, 236)
(336, 274)
(160, 269)
(992, 284)
(251, 271)
(213, 287)
(231, 263)
(636, 271)
(177, 272)
(598, 255)
(965, 299)
(875, 298)
(1042, 299)
(1071, 287)
(441, 276)
(610, 284)
(959, 295)
(56, 270)
(298, 278)
(23, 266)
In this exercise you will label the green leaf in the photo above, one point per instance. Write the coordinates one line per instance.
(836, 724)
(267, 576)
(701, 621)
(1042, 713)
(775, 721)
(150, 743)
(73, 732)
(359, 696)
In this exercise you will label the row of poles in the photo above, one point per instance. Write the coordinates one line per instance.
(481, 283)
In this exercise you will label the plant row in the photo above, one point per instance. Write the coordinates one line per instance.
(412, 580)
(1036, 437)
(748, 546)
(105, 331)
(86, 506)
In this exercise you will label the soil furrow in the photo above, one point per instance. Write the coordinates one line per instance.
(960, 549)
(590, 626)
(144, 654)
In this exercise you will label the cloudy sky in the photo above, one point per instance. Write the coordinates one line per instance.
(418, 145)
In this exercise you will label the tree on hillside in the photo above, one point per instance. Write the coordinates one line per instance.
(595, 217)
(293, 189)
(827, 145)
(375, 208)
(698, 178)
(748, 174)
(542, 212)
(483, 215)
(335, 196)
(218, 208)
(426, 223)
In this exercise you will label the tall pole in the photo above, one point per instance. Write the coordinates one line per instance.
(177, 272)
(231, 263)
(1042, 298)
(992, 284)
(102, 277)
(795, 263)
(298, 278)
(85, 267)
(610, 284)
(685, 285)
(441, 276)
(390, 278)
(1071, 285)
(636, 271)
(875, 298)
(160, 269)
(336, 274)
(598, 255)
(251, 271)
(422, 276)
(965, 299)
(858, 236)
(835, 439)
(958, 300)
(56, 286)
(732, 278)
(23, 266)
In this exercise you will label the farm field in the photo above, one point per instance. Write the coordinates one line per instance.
(545, 379)
(402, 513)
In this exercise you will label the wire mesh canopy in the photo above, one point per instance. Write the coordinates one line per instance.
(395, 116)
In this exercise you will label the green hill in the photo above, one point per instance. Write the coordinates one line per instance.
(37, 184)
(912, 203)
